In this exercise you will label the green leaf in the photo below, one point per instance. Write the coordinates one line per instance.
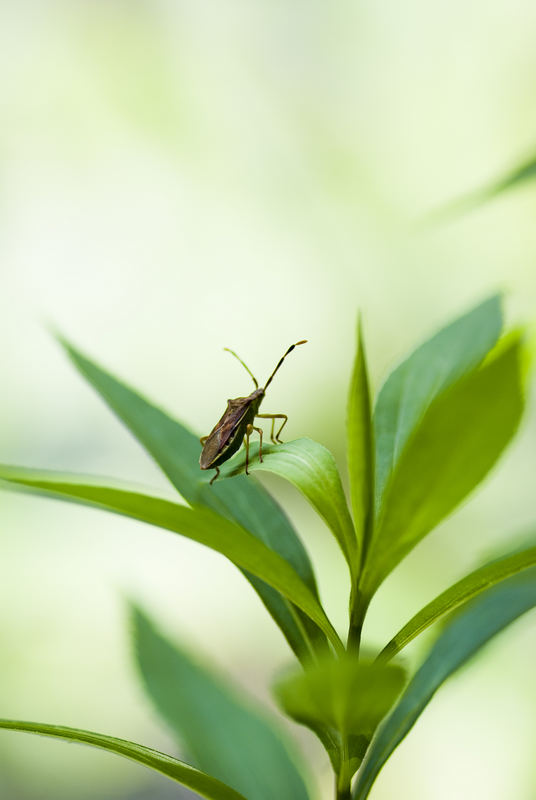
(342, 701)
(311, 468)
(465, 634)
(473, 584)
(511, 180)
(220, 731)
(431, 369)
(176, 450)
(520, 174)
(200, 524)
(457, 442)
(360, 444)
(204, 785)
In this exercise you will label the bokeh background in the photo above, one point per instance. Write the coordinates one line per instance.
(177, 176)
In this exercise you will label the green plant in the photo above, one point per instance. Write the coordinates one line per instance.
(522, 173)
(440, 422)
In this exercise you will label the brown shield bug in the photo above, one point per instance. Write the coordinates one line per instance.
(236, 424)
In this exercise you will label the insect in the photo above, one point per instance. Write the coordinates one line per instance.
(236, 424)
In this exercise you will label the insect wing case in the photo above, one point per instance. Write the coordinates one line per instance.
(226, 437)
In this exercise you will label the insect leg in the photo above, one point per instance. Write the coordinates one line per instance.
(246, 440)
(249, 429)
(285, 420)
(273, 417)
(259, 431)
(214, 476)
(203, 439)
(275, 439)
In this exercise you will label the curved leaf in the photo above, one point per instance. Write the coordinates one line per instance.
(199, 782)
(465, 634)
(360, 444)
(200, 524)
(220, 731)
(478, 581)
(176, 450)
(311, 468)
(431, 369)
(459, 439)
(342, 701)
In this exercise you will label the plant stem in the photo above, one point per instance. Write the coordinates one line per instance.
(344, 793)
(344, 779)
(358, 609)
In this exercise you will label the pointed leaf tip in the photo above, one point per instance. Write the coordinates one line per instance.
(222, 732)
(201, 783)
(360, 443)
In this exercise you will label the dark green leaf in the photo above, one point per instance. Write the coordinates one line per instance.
(459, 439)
(200, 524)
(312, 469)
(468, 631)
(204, 785)
(220, 731)
(176, 450)
(431, 369)
(342, 701)
(360, 443)
(478, 581)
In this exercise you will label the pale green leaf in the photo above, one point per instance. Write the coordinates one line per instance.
(176, 450)
(311, 468)
(524, 173)
(461, 436)
(219, 730)
(200, 524)
(188, 776)
(360, 444)
(465, 589)
(470, 629)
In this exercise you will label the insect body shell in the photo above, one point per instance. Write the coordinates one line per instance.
(227, 435)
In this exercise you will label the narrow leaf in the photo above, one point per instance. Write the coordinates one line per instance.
(458, 441)
(469, 630)
(218, 729)
(188, 776)
(437, 364)
(342, 701)
(360, 443)
(521, 174)
(477, 582)
(176, 450)
(200, 524)
(311, 468)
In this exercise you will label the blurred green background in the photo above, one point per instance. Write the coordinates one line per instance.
(181, 176)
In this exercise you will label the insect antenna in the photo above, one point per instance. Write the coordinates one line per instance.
(244, 365)
(291, 348)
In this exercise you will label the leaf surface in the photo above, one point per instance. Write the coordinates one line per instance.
(461, 436)
(431, 369)
(200, 524)
(220, 731)
(188, 776)
(468, 631)
(311, 468)
(465, 589)
(360, 444)
(176, 450)
(342, 701)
